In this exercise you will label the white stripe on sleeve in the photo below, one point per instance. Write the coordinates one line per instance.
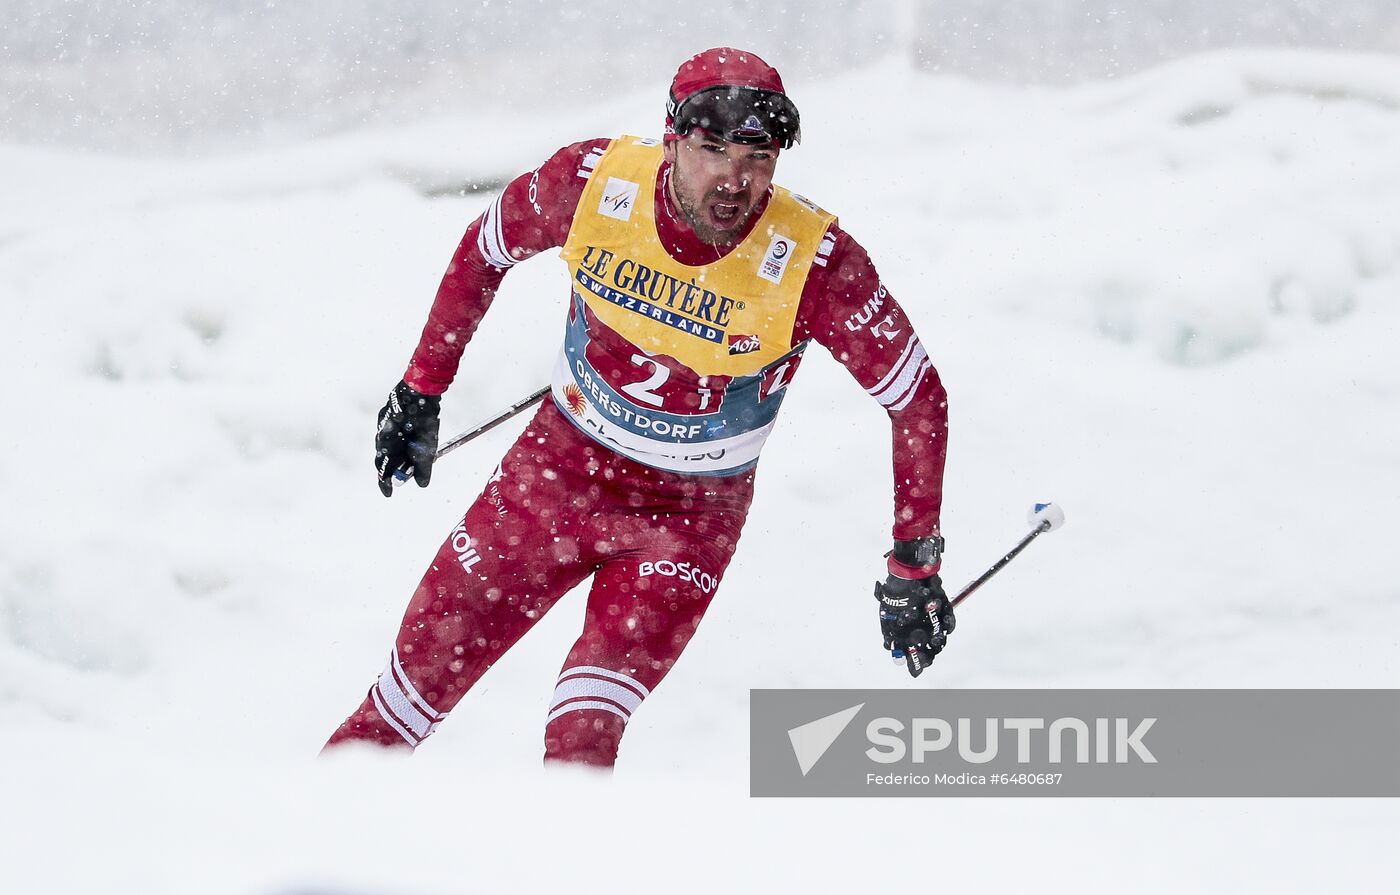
(491, 241)
(924, 367)
(894, 370)
(905, 371)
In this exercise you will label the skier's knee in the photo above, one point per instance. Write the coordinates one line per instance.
(589, 713)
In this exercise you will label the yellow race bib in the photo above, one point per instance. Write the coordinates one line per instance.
(669, 363)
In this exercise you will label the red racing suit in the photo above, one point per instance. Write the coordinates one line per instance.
(564, 504)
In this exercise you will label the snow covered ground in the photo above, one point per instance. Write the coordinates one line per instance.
(1167, 302)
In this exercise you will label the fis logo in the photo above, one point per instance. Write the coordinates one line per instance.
(743, 344)
(619, 196)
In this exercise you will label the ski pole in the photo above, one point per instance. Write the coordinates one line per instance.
(452, 444)
(401, 475)
(1044, 517)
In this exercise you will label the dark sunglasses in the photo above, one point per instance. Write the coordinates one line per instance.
(745, 115)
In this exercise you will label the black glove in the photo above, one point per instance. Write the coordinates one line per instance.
(407, 438)
(916, 618)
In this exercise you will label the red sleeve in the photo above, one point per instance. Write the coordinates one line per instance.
(847, 309)
(533, 213)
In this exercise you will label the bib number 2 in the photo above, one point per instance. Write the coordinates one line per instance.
(643, 391)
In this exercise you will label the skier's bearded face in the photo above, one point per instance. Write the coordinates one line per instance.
(717, 184)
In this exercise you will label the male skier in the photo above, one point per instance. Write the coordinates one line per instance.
(695, 284)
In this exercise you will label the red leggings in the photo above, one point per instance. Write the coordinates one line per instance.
(559, 508)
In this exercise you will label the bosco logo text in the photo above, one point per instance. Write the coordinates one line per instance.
(684, 571)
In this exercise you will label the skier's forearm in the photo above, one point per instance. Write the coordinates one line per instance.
(920, 444)
(847, 309)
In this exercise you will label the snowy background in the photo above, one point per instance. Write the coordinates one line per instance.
(1160, 292)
